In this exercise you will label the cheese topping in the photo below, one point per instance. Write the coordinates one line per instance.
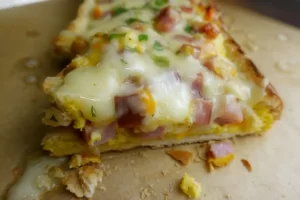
(135, 49)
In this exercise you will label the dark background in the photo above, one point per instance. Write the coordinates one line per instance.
(284, 10)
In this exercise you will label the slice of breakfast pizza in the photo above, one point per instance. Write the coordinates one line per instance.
(153, 73)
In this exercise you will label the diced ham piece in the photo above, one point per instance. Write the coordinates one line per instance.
(166, 20)
(211, 13)
(231, 111)
(202, 107)
(197, 86)
(107, 132)
(203, 110)
(184, 38)
(186, 9)
(221, 149)
(130, 110)
(97, 13)
(137, 26)
(210, 30)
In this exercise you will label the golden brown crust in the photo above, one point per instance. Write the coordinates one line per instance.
(63, 42)
(272, 99)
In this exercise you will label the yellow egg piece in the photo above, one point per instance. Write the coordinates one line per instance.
(190, 187)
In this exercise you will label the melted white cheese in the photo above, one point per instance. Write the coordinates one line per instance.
(92, 89)
(172, 98)
(26, 188)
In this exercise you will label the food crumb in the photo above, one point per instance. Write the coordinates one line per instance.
(142, 154)
(182, 156)
(106, 169)
(251, 46)
(282, 37)
(247, 164)
(165, 172)
(132, 162)
(145, 193)
(102, 188)
(177, 165)
(16, 172)
(228, 196)
(30, 79)
(166, 195)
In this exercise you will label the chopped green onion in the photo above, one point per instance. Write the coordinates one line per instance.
(161, 61)
(143, 37)
(118, 10)
(115, 35)
(158, 4)
(93, 111)
(188, 28)
(124, 61)
(157, 46)
(132, 20)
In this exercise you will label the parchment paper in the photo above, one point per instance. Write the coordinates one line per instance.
(27, 31)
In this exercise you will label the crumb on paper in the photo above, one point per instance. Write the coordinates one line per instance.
(145, 193)
(199, 154)
(190, 187)
(247, 164)
(166, 195)
(132, 162)
(142, 154)
(165, 172)
(83, 181)
(287, 66)
(102, 188)
(234, 140)
(79, 160)
(251, 46)
(16, 172)
(282, 37)
(106, 169)
(177, 165)
(183, 156)
(197, 160)
(228, 196)
(116, 168)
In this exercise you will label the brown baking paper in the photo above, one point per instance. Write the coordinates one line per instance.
(27, 31)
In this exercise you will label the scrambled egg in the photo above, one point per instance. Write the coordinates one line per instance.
(190, 187)
(220, 162)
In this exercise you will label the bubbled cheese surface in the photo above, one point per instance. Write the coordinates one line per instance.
(91, 89)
